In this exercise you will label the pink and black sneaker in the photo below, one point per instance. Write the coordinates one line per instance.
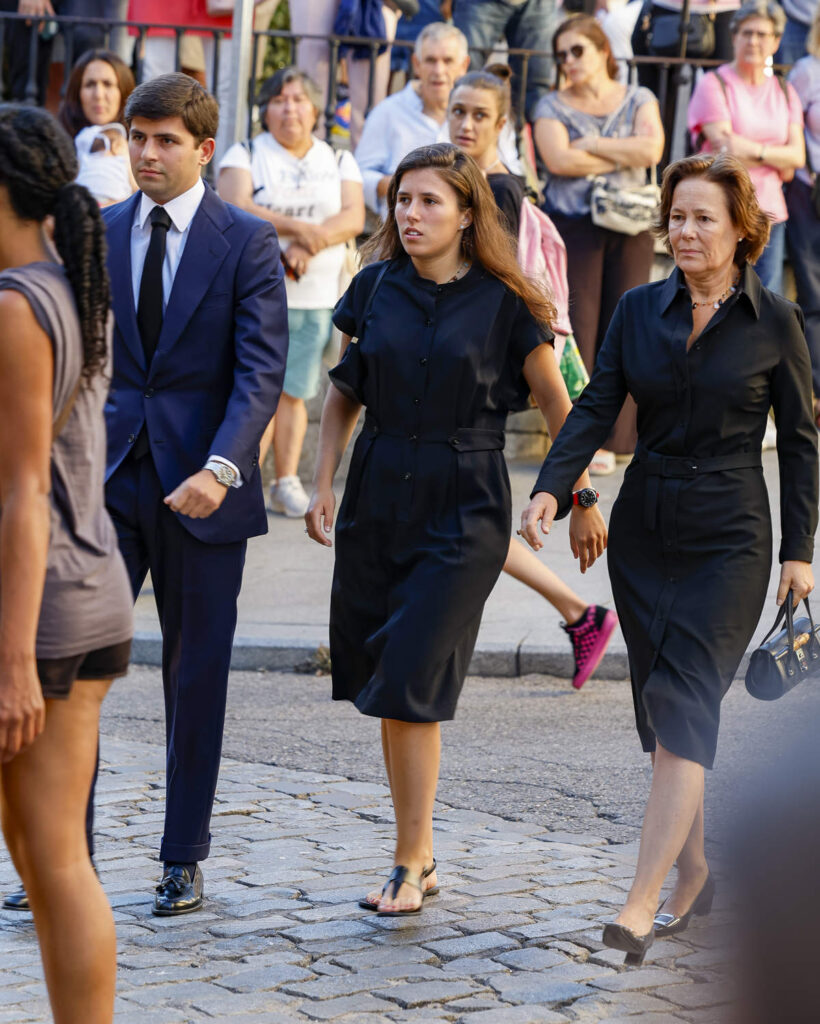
(590, 636)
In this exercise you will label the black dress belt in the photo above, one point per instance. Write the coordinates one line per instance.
(683, 467)
(462, 439)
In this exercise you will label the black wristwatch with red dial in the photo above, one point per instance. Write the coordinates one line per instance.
(586, 497)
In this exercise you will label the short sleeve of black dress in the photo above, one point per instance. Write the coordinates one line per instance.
(526, 334)
(348, 316)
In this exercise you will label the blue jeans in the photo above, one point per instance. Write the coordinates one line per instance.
(803, 233)
(770, 265)
(793, 42)
(528, 26)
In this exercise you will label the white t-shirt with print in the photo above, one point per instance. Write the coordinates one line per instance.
(308, 189)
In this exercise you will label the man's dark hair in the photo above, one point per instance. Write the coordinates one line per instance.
(175, 95)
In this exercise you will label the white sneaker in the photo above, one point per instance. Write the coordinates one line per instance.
(288, 497)
(770, 437)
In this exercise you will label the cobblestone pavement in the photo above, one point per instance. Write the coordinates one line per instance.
(511, 939)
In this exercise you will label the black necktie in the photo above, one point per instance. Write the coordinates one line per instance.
(149, 307)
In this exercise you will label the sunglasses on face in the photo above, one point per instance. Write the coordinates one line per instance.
(576, 51)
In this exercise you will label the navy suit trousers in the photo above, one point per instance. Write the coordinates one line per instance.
(196, 586)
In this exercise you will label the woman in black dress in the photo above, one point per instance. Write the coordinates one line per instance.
(451, 337)
(704, 354)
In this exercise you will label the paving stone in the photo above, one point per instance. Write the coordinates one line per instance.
(696, 996)
(533, 958)
(642, 977)
(361, 1004)
(515, 1015)
(255, 979)
(472, 966)
(483, 942)
(536, 987)
(331, 987)
(421, 993)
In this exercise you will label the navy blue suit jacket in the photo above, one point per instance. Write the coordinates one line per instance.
(216, 376)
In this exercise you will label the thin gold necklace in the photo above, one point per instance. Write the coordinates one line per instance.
(462, 270)
(718, 302)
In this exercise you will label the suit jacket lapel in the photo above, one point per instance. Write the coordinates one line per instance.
(205, 250)
(118, 235)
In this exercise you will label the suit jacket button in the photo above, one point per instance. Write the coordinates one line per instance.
(131, 438)
(148, 393)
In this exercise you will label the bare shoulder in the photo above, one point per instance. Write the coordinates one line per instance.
(21, 336)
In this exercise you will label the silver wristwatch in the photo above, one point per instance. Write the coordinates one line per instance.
(224, 474)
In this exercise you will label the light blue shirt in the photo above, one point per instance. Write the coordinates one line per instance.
(392, 129)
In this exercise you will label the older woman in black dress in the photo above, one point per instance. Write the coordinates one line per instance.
(705, 354)
(451, 337)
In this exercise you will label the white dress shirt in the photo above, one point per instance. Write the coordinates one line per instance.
(181, 209)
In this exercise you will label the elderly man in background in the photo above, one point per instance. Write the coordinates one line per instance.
(414, 117)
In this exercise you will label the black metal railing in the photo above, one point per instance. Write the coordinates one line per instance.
(674, 76)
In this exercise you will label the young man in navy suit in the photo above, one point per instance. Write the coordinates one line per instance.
(200, 343)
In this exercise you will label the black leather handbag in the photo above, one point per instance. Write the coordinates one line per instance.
(786, 659)
(659, 33)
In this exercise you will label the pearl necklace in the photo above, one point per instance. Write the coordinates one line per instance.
(462, 270)
(718, 302)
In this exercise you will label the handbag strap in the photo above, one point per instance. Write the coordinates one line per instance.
(787, 609)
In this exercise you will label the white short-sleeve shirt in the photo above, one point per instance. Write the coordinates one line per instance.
(308, 189)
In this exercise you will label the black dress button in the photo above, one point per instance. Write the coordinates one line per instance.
(428, 323)
(416, 401)
(408, 476)
(414, 437)
(423, 361)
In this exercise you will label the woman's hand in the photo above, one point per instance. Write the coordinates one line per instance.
(798, 577)
(319, 516)
(587, 535)
(22, 708)
(542, 508)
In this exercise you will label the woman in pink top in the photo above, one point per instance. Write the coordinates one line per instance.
(756, 117)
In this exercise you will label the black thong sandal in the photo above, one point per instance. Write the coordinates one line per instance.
(365, 903)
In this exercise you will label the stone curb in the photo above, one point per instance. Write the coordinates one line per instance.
(252, 654)
(283, 654)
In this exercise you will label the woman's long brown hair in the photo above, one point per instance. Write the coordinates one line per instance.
(486, 240)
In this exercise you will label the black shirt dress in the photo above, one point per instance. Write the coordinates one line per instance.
(424, 525)
(690, 543)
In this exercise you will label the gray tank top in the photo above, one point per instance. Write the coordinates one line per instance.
(87, 601)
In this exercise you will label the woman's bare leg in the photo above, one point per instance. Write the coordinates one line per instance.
(43, 798)
(523, 565)
(693, 870)
(289, 435)
(670, 818)
(414, 753)
(265, 442)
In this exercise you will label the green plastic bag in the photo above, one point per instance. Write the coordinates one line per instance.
(572, 368)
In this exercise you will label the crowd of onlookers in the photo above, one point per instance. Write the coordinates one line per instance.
(585, 122)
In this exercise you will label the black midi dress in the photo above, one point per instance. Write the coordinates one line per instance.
(424, 525)
(690, 542)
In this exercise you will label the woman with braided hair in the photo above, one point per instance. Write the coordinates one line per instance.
(65, 600)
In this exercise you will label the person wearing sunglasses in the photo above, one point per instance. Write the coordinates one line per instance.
(592, 124)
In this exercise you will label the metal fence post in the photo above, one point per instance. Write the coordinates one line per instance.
(235, 113)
